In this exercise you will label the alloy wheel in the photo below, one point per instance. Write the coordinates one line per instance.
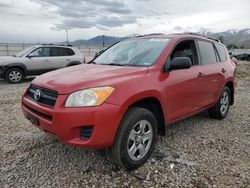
(140, 140)
(224, 101)
(15, 76)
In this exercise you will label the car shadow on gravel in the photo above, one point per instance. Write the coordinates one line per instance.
(48, 160)
(173, 130)
(26, 80)
(87, 160)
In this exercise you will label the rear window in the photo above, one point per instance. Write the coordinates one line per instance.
(61, 51)
(207, 52)
(222, 52)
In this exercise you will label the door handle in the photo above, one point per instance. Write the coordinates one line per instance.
(223, 70)
(46, 60)
(200, 74)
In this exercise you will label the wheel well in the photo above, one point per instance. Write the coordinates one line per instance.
(231, 87)
(73, 63)
(153, 105)
(15, 67)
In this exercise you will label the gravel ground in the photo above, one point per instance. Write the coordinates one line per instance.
(196, 152)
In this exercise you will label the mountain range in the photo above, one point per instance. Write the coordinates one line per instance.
(98, 40)
(241, 38)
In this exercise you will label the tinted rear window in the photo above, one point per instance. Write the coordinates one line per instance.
(222, 52)
(61, 51)
(207, 52)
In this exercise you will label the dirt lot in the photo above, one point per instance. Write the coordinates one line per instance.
(196, 152)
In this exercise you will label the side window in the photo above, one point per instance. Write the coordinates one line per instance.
(70, 51)
(207, 52)
(222, 52)
(41, 52)
(185, 49)
(56, 51)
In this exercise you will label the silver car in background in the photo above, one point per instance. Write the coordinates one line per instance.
(38, 59)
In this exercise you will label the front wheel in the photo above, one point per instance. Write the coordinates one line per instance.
(14, 75)
(135, 139)
(220, 109)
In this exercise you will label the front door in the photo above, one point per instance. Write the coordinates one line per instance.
(184, 89)
(38, 62)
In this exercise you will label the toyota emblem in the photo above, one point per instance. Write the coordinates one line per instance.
(37, 94)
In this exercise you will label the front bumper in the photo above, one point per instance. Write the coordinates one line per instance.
(65, 123)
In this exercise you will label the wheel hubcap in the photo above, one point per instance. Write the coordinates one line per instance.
(224, 101)
(140, 140)
(15, 76)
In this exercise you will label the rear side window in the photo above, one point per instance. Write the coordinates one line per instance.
(70, 51)
(207, 52)
(61, 51)
(222, 52)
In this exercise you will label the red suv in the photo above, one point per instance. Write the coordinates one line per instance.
(129, 93)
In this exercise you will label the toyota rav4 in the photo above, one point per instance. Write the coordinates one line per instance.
(131, 92)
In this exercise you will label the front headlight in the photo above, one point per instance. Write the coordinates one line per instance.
(89, 97)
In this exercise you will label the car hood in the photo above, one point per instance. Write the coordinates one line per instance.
(70, 79)
(4, 60)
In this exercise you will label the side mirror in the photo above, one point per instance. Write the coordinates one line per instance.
(30, 55)
(180, 63)
(230, 54)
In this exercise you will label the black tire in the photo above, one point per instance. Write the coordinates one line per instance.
(14, 75)
(134, 117)
(216, 111)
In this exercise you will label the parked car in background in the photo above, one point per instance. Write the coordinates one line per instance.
(243, 57)
(38, 59)
(129, 93)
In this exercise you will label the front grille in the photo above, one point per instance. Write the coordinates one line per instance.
(42, 96)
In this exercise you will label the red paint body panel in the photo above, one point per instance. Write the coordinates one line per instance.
(66, 123)
(181, 93)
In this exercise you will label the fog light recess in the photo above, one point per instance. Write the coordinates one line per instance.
(86, 132)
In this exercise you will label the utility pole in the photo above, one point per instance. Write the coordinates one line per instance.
(67, 37)
(102, 41)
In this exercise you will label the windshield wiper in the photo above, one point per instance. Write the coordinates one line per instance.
(115, 64)
(14, 55)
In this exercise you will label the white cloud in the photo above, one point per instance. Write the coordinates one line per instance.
(46, 20)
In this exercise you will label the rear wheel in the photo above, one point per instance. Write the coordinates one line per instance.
(14, 75)
(220, 109)
(135, 138)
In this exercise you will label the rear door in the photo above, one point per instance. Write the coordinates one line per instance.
(212, 71)
(61, 57)
(184, 89)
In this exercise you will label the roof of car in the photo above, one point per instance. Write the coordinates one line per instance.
(179, 35)
(55, 45)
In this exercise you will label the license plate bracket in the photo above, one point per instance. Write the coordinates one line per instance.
(34, 120)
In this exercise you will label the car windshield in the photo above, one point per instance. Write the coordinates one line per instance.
(134, 52)
(24, 52)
